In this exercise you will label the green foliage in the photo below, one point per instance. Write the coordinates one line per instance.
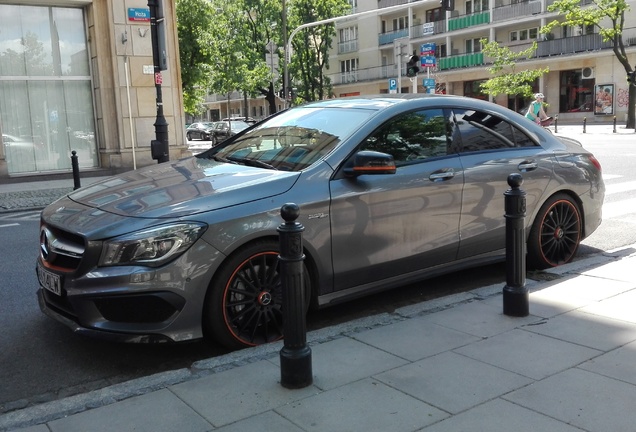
(608, 17)
(311, 46)
(507, 79)
(195, 53)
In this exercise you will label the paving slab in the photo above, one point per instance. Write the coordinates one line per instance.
(367, 405)
(415, 339)
(586, 329)
(478, 318)
(153, 412)
(266, 422)
(500, 416)
(619, 307)
(581, 398)
(452, 382)
(236, 394)
(618, 364)
(344, 360)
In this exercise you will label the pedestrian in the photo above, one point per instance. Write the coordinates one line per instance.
(535, 110)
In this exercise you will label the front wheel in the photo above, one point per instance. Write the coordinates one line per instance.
(555, 234)
(243, 306)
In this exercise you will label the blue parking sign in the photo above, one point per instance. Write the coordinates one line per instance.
(392, 84)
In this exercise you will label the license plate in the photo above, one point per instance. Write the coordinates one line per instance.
(50, 281)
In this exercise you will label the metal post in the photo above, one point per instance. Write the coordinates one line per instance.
(75, 166)
(295, 356)
(584, 121)
(159, 146)
(515, 293)
(614, 129)
(556, 124)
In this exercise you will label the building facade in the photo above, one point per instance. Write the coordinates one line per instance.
(584, 80)
(78, 75)
(371, 51)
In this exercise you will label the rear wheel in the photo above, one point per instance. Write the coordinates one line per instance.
(555, 234)
(243, 306)
(189, 136)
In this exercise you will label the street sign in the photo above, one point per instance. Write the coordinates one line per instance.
(428, 61)
(428, 49)
(392, 85)
(428, 28)
(428, 82)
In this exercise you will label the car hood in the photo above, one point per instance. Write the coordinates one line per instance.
(185, 187)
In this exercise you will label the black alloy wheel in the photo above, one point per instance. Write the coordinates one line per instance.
(556, 233)
(243, 307)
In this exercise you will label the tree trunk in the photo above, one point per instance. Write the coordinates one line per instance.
(631, 123)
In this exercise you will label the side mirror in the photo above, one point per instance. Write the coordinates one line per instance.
(370, 162)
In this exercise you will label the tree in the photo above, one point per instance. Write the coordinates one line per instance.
(311, 46)
(608, 16)
(196, 52)
(507, 80)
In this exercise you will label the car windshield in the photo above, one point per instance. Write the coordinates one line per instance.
(293, 140)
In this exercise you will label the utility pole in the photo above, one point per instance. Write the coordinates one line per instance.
(159, 147)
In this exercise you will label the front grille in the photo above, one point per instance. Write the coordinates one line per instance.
(61, 249)
(143, 308)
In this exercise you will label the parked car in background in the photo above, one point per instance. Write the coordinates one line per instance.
(249, 120)
(199, 130)
(392, 189)
(224, 129)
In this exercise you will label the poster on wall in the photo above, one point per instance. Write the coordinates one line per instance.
(604, 99)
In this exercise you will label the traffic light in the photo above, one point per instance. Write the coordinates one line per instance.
(631, 78)
(448, 5)
(411, 67)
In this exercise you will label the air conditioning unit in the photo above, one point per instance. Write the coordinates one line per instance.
(587, 73)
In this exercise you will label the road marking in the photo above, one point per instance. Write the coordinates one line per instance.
(9, 225)
(619, 208)
(620, 187)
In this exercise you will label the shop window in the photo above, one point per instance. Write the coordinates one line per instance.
(575, 93)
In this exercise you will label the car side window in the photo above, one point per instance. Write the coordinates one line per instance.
(479, 131)
(412, 137)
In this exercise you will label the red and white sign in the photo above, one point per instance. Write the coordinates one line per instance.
(158, 78)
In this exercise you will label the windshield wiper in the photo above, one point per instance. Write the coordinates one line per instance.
(222, 159)
(253, 162)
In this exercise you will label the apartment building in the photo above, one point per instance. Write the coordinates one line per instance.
(371, 53)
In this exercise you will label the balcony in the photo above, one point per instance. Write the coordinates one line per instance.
(468, 21)
(348, 46)
(418, 30)
(387, 3)
(461, 60)
(388, 38)
(360, 75)
(514, 11)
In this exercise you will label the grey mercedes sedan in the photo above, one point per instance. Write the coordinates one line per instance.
(392, 189)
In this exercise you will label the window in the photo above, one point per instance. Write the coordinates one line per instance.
(473, 45)
(400, 23)
(348, 34)
(349, 70)
(435, 15)
(412, 137)
(482, 131)
(524, 34)
(474, 6)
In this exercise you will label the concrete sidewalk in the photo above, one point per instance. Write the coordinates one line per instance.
(452, 364)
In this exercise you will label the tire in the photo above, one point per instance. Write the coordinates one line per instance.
(189, 136)
(243, 306)
(555, 234)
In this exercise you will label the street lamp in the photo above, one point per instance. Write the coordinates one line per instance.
(159, 147)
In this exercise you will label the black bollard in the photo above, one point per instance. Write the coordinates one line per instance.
(515, 293)
(614, 130)
(295, 356)
(75, 165)
(584, 121)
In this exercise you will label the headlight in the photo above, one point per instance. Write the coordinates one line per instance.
(152, 247)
